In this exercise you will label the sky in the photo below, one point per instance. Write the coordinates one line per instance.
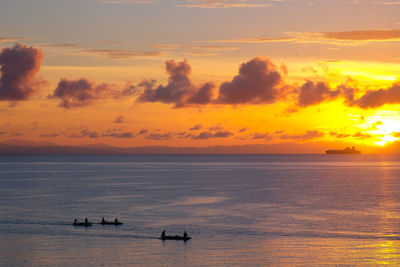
(200, 73)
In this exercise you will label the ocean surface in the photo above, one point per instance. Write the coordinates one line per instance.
(241, 210)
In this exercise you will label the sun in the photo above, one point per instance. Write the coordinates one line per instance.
(384, 124)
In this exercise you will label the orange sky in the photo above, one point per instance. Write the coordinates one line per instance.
(201, 73)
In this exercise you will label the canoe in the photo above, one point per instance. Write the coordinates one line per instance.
(82, 224)
(111, 223)
(175, 237)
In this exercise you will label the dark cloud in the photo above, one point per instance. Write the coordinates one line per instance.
(258, 81)
(312, 93)
(257, 136)
(348, 94)
(378, 98)
(19, 65)
(50, 135)
(82, 92)
(157, 136)
(181, 135)
(85, 133)
(142, 132)
(180, 90)
(303, 137)
(222, 134)
(196, 127)
(203, 95)
(208, 135)
(242, 130)
(119, 119)
(115, 134)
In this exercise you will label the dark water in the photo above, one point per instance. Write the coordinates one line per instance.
(239, 209)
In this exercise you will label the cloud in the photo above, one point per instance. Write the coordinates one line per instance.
(208, 135)
(180, 90)
(360, 135)
(9, 39)
(50, 135)
(61, 45)
(339, 135)
(364, 35)
(196, 127)
(84, 134)
(255, 40)
(257, 136)
(118, 53)
(258, 82)
(157, 136)
(142, 132)
(202, 95)
(82, 92)
(312, 93)
(193, 50)
(119, 119)
(217, 127)
(375, 125)
(340, 38)
(396, 134)
(223, 3)
(120, 2)
(116, 134)
(19, 65)
(303, 137)
(378, 98)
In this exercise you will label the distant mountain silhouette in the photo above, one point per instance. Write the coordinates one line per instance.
(20, 147)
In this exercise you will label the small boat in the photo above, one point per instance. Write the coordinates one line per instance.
(110, 223)
(115, 222)
(175, 237)
(86, 224)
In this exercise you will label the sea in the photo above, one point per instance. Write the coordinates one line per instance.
(240, 210)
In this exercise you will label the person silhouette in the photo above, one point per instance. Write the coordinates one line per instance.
(116, 220)
(86, 221)
(163, 234)
(102, 220)
(185, 235)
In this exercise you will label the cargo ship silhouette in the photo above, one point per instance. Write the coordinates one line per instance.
(347, 150)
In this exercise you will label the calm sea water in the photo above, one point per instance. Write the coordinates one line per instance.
(240, 210)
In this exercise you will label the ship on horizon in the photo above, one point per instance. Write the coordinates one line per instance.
(347, 150)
